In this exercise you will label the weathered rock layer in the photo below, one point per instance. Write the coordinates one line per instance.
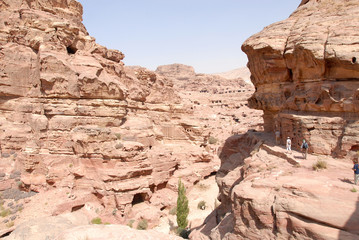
(306, 73)
(73, 117)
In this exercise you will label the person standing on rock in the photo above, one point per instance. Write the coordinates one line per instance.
(356, 170)
(304, 148)
(289, 145)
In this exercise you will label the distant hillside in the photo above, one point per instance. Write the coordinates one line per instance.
(184, 77)
(242, 72)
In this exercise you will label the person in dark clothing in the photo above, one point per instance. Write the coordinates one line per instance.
(304, 148)
(356, 170)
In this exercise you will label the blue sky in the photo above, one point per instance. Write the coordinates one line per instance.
(205, 34)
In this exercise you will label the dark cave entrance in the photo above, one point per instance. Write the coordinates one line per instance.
(139, 198)
(71, 50)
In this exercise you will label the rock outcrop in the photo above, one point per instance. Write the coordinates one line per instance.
(74, 119)
(74, 226)
(266, 193)
(185, 78)
(305, 71)
(79, 129)
(242, 72)
(221, 104)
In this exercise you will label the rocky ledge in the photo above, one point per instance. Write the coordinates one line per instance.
(266, 193)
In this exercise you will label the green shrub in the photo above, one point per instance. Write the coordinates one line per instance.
(5, 213)
(130, 223)
(182, 206)
(319, 165)
(201, 205)
(114, 211)
(10, 224)
(118, 135)
(142, 225)
(212, 140)
(353, 189)
(96, 221)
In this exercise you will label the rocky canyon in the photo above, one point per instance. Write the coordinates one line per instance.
(92, 148)
(84, 137)
(304, 70)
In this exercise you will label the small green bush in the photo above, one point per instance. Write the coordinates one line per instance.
(96, 221)
(118, 135)
(353, 189)
(130, 223)
(142, 225)
(114, 211)
(212, 140)
(5, 213)
(10, 224)
(201, 205)
(319, 165)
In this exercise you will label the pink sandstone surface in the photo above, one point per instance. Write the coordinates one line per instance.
(78, 128)
(304, 70)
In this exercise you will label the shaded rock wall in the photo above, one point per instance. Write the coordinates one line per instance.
(307, 65)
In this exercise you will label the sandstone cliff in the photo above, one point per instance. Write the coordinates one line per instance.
(80, 131)
(74, 120)
(185, 78)
(306, 72)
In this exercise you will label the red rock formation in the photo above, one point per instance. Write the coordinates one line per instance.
(73, 117)
(305, 71)
(268, 194)
(185, 78)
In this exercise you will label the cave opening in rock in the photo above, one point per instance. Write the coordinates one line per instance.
(71, 50)
(354, 148)
(139, 198)
(211, 174)
(290, 73)
(76, 208)
(354, 60)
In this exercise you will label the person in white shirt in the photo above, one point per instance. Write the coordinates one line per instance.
(289, 145)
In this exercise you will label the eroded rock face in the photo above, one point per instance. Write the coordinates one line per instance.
(305, 67)
(306, 77)
(266, 193)
(185, 78)
(73, 117)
